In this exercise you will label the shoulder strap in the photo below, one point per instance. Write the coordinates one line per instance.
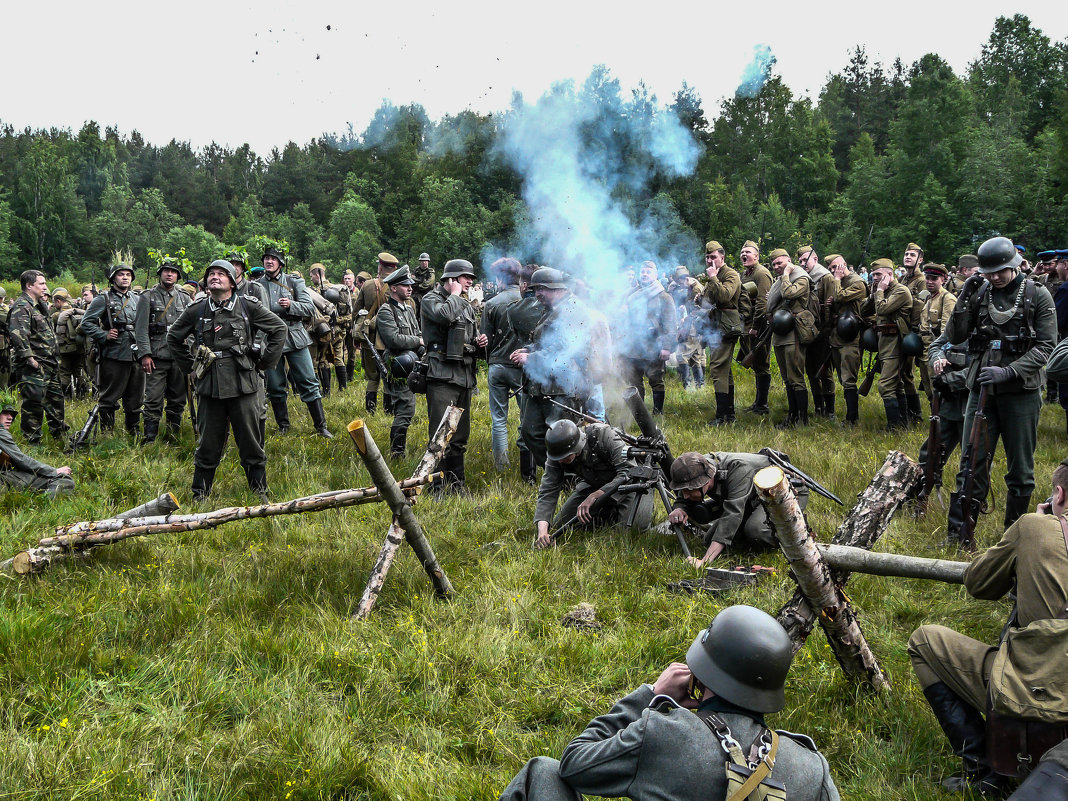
(1028, 305)
(761, 772)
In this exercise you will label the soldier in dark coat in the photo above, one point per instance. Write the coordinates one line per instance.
(35, 359)
(19, 471)
(157, 309)
(225, 328)
(398, 329)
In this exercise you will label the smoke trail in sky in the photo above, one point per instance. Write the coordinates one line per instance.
(757, 71)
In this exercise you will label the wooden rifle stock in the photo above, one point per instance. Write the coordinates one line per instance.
(869, 379)
(760, 344)
(932, 468)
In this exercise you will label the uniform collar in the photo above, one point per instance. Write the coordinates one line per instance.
(722, 705)
(227, 304)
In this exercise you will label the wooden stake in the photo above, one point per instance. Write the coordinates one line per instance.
(858, 560)
(863, 526)
(402, 512)
(836, 616)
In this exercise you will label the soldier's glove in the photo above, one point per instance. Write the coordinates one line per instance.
(996, 375)
(971, 286)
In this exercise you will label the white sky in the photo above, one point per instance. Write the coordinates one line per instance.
(270, 71)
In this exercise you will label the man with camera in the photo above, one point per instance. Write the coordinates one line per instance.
(109, 323)
(697, 732)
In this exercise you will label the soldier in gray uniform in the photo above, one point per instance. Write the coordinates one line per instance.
(398, 328)
(157, 309)
(19, 471)
(226, 328)
(450, 331)
(653, 745)
(109, 324)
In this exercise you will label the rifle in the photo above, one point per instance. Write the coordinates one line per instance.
(761, 343)
(783, 463)
(191, 401)
(86, 431)
(971, 507)
(875, 366)
(932, 469)
(381, 365)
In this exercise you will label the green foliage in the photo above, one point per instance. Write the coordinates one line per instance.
(199, 246)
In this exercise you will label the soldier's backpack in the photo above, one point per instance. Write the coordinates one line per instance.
(809, 319)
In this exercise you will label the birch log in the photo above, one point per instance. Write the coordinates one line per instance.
(858, 560)
(435, 449)
(383, 478)
(813, 576)
(863, 526)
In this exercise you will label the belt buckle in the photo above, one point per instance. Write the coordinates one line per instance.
(995, 344)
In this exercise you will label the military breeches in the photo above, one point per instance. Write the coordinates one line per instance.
(540, 780)
(719, 365)
(439, 394)
(121, 382)
(818, 367)
(635, 371)
(791, 361)
(17, 479)
(370, 369)
(216, 417)
(761, 363)
(42, 396)
(847, 359)
(403, 403)
(1013, 418)
(166, 384)
(351, 348)
(536, 415)
(301, 372)
(331, 350)
(940, 654)
(925, 375)
(892, 365)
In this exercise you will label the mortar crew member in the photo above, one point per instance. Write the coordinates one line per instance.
(372, 295)
(1011, 326)
(523, 318)
(756, 274)
(157, 309)
(242, 337)
(715, 491)
(595, 458)
(399, 330)
(691, 324)
(651, 745)
(912, 264)
(109, 324)
(891, 303)
(564, 360)
(450, 332)
(70, 347)
(722, 298)
(288, 297)
(19, 471)
(937, 309)
(503, 378)
(424, 279)
(817, 356)
(960, 675)
(35, 361)
(849, 295)
(788, 297)
(349, 289)
(646, 334)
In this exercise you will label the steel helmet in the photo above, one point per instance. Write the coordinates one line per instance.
(114, 269)
(547, 278)
(848, 326)
(278, 254)
(332, 294)
(563, 439)
(402, 365)
(743, 657)
(911, 344)
(170, 265)
(225, 265)
(869, 340)
(997, 254)
(454, 268)
(782, 321)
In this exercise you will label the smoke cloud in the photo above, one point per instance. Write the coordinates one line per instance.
(757, 71)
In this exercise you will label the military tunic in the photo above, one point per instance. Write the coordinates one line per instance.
(70, 346)
(893, 309)
(157, 310)
(32, 337)
(121, 378)
(398, 328)
(936, 313)
(763, 279)
(371, 296)
(19, 471)
(918, 289)
(720, 297)
(503, 378)
(817, 356)
(296, 363)
(791, 294)
(645, 329)
(849, 295)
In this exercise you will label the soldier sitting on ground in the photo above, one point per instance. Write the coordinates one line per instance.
(714, 491)
(653, 745)
(19, 471)
(597, 455)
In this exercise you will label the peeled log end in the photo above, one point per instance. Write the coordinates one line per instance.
(768, 479)
(357, 431)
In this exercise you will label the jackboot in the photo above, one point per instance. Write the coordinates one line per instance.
(133, 424)
(398, 439)
(852, 402)
(802, 406)
(318, 416)
(527, 469)
(828, 405)
(257, 481)
(107, 420)
(658, 401)
(965, 729)
(174, 427)
(955, 524)
(1015, 506)
(722, 401)
(915, 410)
(699, 376)
(324, 381)
(817, 402)
(151, 430)
(730, 404)
(684, 375)
(893, 414)
(202, 481)
(281, 414)
(349, 370)
(791, 415)
(342, 378)
(763, 387)
(370, 401)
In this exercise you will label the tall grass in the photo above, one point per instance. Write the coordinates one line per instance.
(224, 665)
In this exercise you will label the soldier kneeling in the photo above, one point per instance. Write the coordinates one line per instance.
(19, 471)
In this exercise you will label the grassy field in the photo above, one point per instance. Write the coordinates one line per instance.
(224, 664)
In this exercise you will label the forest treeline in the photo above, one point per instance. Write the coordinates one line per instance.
(909, 152)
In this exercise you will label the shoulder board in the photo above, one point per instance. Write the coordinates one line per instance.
(250, 298)
(800, 739)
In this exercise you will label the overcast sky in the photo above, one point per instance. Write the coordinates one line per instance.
(276, 70)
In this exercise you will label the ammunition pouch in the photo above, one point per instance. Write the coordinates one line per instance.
(1013, 346)
(203, 359)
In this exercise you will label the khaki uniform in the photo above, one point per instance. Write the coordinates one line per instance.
(157, 310)
(917, 286)
(425, 279)
(371, 296)
(70, 347)
(762, 277)
(893, 309)
(19, 471)
(720, 298)
(817, 356)
(850, 293)
(936, 313)
(32, 337)
(691, 327)
(791, 294)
